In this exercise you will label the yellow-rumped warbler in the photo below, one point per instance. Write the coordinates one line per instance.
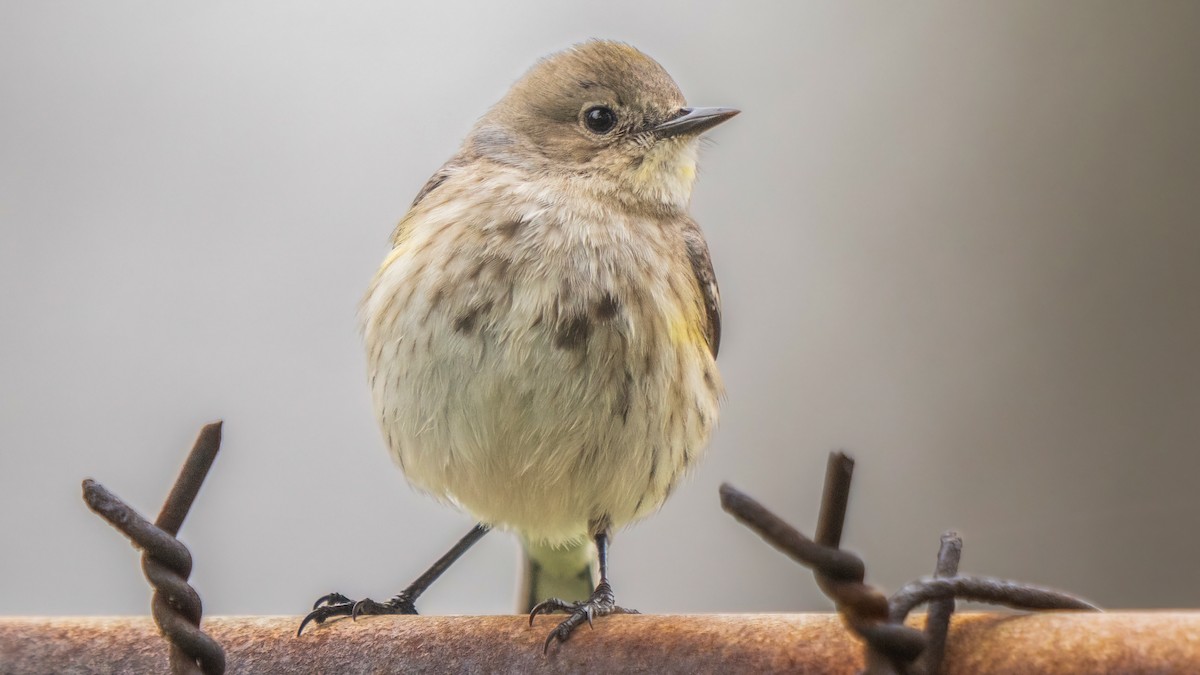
(542, 337)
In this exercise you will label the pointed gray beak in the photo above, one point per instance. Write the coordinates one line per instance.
(693, 121)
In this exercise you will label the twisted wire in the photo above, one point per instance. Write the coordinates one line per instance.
(891, 646)
(166, 562)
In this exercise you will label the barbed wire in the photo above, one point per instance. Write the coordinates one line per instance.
(892, 648)
(166, 562)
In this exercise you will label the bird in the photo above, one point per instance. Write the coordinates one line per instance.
(542, 337)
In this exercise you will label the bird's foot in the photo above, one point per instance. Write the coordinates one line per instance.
(335, 604)
(602, 603)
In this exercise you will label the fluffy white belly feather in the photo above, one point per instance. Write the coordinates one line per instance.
(541, 397)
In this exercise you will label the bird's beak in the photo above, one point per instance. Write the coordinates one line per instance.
(693, 121)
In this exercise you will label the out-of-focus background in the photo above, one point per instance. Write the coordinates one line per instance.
(960, 241)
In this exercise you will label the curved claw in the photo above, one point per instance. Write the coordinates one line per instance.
(361, 607)
(319, 615)
(326, 606)
(330, 599)
(562, 632)
(550, 605)
(303, 623)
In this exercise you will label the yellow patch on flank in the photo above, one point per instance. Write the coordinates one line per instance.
(684, 329)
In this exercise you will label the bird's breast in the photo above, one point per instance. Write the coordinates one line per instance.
(541, 367)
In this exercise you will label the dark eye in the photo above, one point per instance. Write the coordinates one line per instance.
(599, 119)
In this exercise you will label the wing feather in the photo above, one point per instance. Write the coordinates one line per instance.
(706, 280)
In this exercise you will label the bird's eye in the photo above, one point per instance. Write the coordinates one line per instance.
(600, 119)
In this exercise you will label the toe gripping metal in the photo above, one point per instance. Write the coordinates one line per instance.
(602, 603)
(335, 604)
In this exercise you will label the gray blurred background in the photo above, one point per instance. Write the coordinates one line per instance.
(959, 240)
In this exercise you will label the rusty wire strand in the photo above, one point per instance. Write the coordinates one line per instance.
(981, 589)
(937, 619)
(166, 562)
(835, 563)
(892, 647)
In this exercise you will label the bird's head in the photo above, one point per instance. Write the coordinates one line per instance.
(606, 116)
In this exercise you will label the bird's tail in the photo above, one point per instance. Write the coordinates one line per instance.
(565, 572)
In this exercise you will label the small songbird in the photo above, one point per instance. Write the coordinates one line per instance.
(542, 338)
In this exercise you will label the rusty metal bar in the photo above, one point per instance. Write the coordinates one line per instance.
(982, 644)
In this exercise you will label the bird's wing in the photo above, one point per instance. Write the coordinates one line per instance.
(706, 279)
(435, 181)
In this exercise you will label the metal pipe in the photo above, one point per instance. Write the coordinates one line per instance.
(980, 643)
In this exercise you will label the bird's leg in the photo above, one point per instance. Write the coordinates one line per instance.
(602, 602)
(336, 604)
